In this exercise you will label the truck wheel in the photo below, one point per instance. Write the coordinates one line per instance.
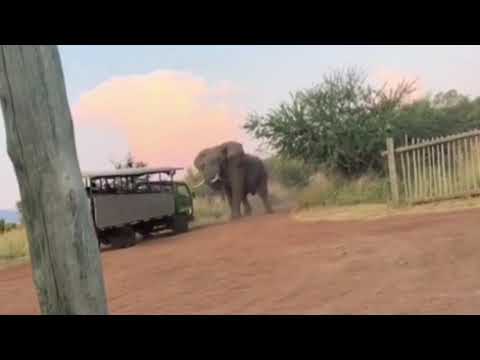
(123, 238)
(180, 223)
(145, 230)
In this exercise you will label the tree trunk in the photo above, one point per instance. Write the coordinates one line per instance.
(64, 251)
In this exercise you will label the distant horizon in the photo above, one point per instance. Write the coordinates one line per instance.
(165, 103)
(10, 215)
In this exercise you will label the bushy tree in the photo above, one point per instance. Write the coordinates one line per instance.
(289, 172)
(443, 114)
(10, 226)
(341, 123)
(129, 162)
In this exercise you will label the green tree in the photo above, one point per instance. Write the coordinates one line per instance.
(341, 123)
(289, 172)
(129, 162)
(440, 115)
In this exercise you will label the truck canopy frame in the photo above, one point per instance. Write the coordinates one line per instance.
(131, 172)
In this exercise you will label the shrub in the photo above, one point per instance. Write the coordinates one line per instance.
(14, 244)
(341, 123)
(289, 172)
(338, 191)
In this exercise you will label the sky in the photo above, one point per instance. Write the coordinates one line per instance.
(166, 103)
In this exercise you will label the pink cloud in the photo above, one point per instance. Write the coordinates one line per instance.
(391, 78)
(166, 116)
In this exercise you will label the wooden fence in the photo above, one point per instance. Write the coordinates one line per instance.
(425, 170)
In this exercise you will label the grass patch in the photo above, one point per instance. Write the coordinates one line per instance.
(14, 244)
(368, 212)
(334, 191)
(209, 212)
(218, 211)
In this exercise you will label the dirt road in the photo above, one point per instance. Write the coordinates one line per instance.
(274, 265)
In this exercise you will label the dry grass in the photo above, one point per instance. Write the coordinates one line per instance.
(367, 198)
(217, 211)
(334, 191)
(209, 212)
(14, 244)
(367, 212)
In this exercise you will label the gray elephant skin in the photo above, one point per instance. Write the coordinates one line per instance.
(226, 167)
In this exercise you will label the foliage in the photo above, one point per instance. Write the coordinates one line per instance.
(440, 115)
(14, 244)
(10, 226)
(129, 162)
(6, 226)
(208, 211)
(341, 123)
(289, 172)
(337, 191)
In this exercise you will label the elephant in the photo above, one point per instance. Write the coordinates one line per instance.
(226, 167)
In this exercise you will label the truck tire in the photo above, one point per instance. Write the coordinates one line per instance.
(180, 223)
(145, 229)
(123, 238)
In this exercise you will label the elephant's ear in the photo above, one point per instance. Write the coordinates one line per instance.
(232, 148)
(199, 159)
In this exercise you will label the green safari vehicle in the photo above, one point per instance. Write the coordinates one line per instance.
(137, 200)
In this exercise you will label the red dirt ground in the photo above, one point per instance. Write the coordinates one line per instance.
(270, 264)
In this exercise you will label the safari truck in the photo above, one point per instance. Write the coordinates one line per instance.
(137, 200)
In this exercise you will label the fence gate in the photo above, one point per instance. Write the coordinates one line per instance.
(434, 169)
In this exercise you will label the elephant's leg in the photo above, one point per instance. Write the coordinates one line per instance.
(237, 183)
(247, 209)
(263, 193)
(228, 195)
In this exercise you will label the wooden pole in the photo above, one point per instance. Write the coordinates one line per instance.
(404, 177)
(439, 170)
(65, 256)
(477, 159)
(471, 164)
(392, 170)
(443, 170)
(424, 175)
(431, 180)
(455, 159)
(465, 165)
(410, 186)
(449, 168)
(415, 172)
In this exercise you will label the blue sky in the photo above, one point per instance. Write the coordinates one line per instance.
(271, 71)
(257, 77)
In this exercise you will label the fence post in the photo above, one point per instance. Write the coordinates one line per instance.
(392, 170)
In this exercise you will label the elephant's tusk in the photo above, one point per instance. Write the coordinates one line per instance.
(215, 179)
(199, 184)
